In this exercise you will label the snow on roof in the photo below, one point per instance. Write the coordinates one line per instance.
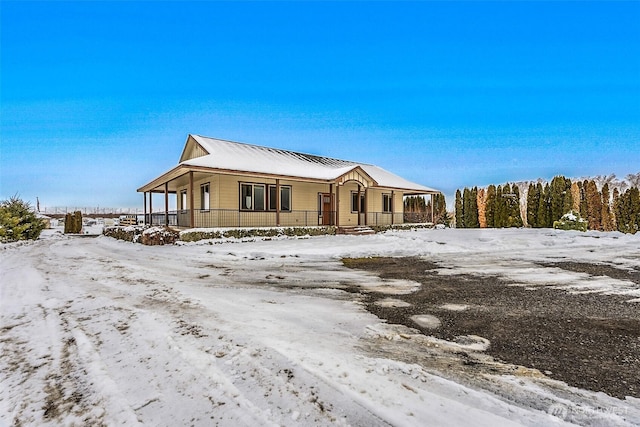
(254, 158)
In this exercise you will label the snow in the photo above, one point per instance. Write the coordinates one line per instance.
(237, 156)
(95, 330)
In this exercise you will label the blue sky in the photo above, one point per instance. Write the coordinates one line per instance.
(97, 98)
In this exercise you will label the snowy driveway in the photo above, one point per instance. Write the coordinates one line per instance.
(99, 331)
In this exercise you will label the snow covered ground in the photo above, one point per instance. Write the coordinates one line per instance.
(98, 331)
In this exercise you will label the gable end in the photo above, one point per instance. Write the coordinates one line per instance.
(192, 150)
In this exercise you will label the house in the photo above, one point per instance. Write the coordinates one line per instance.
(220, 183)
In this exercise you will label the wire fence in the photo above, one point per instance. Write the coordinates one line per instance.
(89, 211)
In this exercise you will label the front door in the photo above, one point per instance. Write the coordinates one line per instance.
(326, 208)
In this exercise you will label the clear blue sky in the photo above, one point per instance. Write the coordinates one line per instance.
(97, 98)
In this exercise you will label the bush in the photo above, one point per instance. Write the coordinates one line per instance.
(73, 223)
(571, 221)
(146, 235)
(240, 233)
(18, 221)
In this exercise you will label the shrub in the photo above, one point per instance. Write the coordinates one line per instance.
(240, 233)
(18, 221)
(571, 221)
(146, 235)
(73, 222)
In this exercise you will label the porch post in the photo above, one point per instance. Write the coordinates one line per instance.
(366, 203)
(332, 218)
(151, 207)
(393, 207)
(191, 214)
(166, 204)
(359, 204)
(433, 221)
(278, 202)
(144, 196)
(337, 205)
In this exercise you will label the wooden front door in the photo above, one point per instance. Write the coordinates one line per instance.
(326, 208)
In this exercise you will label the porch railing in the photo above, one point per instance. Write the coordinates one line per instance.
(213, 218)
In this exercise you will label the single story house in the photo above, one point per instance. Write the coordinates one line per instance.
(220, 183)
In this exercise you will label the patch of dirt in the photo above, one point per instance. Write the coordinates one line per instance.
(590, 341)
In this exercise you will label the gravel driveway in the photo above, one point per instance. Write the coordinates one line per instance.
(589, 340)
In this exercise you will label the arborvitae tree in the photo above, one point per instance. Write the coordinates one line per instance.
(627, 208)
(415, 204)
(515, 218)
(501, 205)
(594, 206)
(634, 195)
(544, 208)
(68, 223)
(490, 206)
(470, 208)
(560, 201)
(73, 222)
(607, 221)
(583, 199)
(473, 207)
(459, 210)
(567, 203)
(575, 196)
(533, 200)
(440, 209)
(482, 207)
(614, 214)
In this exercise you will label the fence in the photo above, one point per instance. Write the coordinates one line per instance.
(93, 211)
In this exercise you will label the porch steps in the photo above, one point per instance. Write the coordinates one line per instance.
(356, 230)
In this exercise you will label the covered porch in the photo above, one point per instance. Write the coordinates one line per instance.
(352, 199)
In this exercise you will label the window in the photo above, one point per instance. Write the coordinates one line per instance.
(183, 200)
(252, 197)
(354, 202)
(204, 197)
(387, 203)
(285, 198)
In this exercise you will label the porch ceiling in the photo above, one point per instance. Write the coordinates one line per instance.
(175, 178)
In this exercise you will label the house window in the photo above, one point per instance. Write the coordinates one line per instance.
(183, 200)
(354, 201)
(387, 203)
(204, 197)
(285, 198)
(252, 197)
